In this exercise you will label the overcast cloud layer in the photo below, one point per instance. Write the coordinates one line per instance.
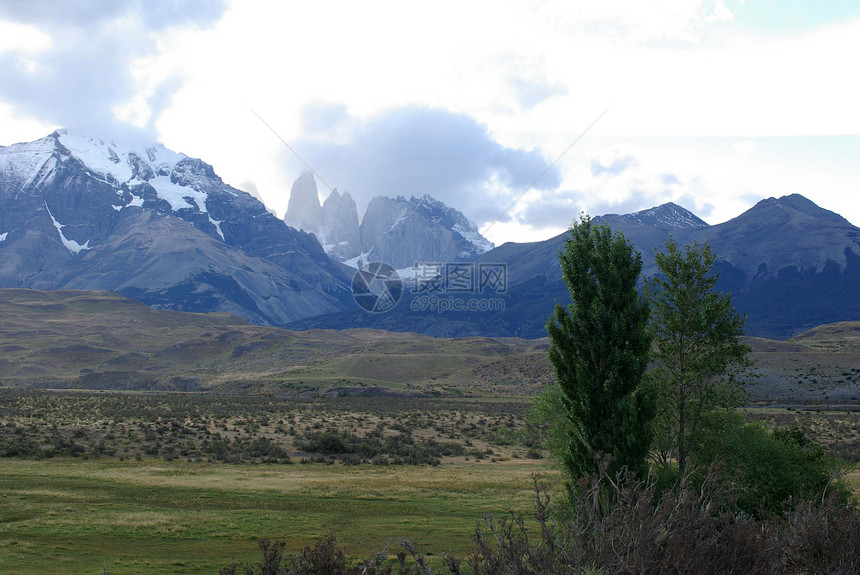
(84, 77)
(413, 151)
(712, 104)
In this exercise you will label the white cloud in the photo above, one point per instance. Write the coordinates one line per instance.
(745, 148)
(534, 73)
(90, 65)
(22, 38)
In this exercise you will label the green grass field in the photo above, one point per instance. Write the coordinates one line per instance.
(85, 516)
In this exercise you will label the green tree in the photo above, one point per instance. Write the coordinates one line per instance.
(698, 355)
(599, 347)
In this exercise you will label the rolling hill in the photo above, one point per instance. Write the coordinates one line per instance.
(100, 340)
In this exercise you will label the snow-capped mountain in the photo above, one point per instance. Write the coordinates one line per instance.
(397, 231)
(79, 212)
(403, 231)
(668, 217)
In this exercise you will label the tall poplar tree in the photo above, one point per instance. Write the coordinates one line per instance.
(599, 348)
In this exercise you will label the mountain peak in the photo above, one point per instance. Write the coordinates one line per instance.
(81, 211)
(122, 161)
(136, 172)
(304, 211)
(307, 176)
(669, 216)
(793, 207)
(787, 233)
(420, 229)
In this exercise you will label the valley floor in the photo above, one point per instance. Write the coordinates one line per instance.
(151, 516)
(186, 483)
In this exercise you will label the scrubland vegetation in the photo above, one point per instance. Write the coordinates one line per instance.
(257, 429)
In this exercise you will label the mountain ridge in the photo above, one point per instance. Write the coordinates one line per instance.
(101, 340)
(149, 222)
(781, 296)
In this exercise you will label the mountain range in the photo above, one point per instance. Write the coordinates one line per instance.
(82, 213)
(789, 264)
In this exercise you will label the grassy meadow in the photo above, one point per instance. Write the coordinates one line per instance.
(185, 483)
(151, 516)
(133, 482)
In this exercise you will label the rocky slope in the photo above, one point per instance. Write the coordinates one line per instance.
(342, 238)
(155, 225)
(402, 231)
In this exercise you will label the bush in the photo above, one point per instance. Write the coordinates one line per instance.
(324, 558)
(774, 471)
(378, 449)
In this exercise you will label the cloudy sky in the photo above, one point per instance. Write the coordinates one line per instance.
(711, 104)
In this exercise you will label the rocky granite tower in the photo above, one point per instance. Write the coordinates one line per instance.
(342, 238)
(304, 211)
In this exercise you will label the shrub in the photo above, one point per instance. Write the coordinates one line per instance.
(377, 448)
(775, 470)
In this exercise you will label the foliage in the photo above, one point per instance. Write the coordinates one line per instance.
(548, 415)
(697, 353)
(774, 470)
(599, 348)
(257, 429)
(379, 448)
(324, 558)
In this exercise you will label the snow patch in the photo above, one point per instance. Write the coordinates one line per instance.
(404, 213)
(176, 194)
(474, 237)
(23, 162)
(95, 155)
(71, 245)
(421, 272)
(329, 247)
(108, 159)
(669, 216)
(217, 224)
(135, 201)
(358, 260)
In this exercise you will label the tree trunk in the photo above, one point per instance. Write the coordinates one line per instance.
(682, 448)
